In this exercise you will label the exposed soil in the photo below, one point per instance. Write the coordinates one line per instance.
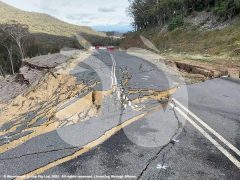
(208, 69)
(38, 107)
(192, 71)
(32, 71)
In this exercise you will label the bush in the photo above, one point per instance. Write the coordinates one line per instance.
(175, 23)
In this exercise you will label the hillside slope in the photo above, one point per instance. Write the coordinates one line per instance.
(203, 41)
(199, 38)
(42, 23)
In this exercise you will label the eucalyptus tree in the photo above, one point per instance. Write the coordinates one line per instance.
(14, 37)
(19, 34)
(7, 42)
(148, 13)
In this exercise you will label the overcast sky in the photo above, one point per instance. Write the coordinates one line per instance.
(99, 14)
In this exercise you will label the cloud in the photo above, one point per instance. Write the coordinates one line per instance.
(106, 10)
(50, 10)
(80, 12)
(80, 16)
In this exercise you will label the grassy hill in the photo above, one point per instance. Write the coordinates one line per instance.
(189, 39)
(42, 23)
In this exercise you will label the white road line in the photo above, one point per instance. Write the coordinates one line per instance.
(113, 73)
(206, 135)
(114, 84)
(227, 143)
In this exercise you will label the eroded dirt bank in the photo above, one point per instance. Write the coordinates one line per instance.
(44, 105)
(192, 72)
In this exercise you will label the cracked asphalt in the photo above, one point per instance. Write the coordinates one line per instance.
(160, 145)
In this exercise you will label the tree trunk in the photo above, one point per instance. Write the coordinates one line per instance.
(11, 59)
(1, 71)
(20, 50)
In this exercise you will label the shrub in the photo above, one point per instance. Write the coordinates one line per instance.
(175, 23)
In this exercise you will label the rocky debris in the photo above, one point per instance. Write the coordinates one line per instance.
(29, 75)
(36, 67)
(43, 106)
(9, 88)
(46, 61)
(21, 79)
(206, 21)
(39, 101)
(237, 51)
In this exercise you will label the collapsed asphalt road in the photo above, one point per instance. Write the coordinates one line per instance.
(131, 128)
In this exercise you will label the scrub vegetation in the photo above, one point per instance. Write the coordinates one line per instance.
(203, 30)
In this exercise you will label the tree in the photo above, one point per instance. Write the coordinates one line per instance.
(7, 42)
(19, 34)
(150, 13)
(14, 37)
(1, 71)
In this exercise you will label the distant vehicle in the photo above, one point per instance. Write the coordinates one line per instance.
(103, 48)
(109, 48)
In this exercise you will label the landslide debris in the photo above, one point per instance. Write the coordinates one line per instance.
(53, 98)
(30, 74)
(196, 73)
